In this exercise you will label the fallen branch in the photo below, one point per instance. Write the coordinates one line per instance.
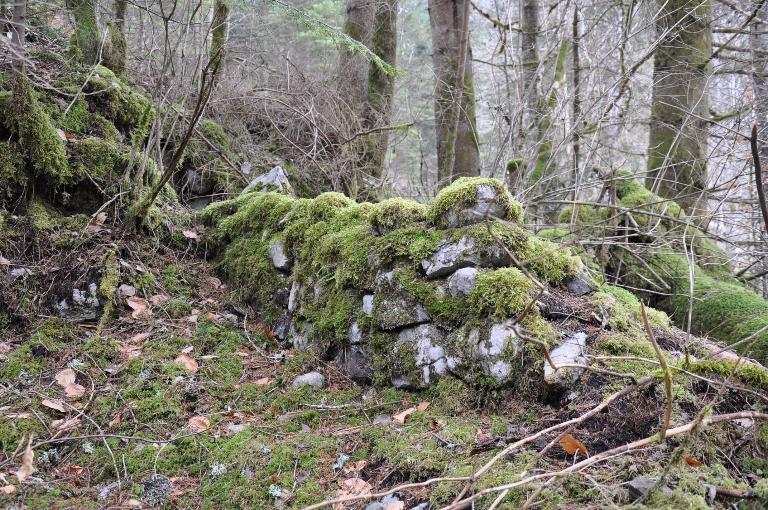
(665, 368)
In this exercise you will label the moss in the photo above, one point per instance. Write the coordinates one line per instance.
(747, 373)
(179, 308)
(462, 193)
(397, 213)
(110, 279)
(44, 151)
(624, 309)
(761, 489)
(549, 261)
(174, 283)
(585, 215)
(13, 179)
(97, 159)
(501, 293)
(443, 308)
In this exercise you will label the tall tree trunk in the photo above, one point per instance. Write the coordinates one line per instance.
(381, 86)
(86, 41)
(353, 67)
(759, 43)
(677, 151)
(118, 44)
(458, 153)
(18, 35)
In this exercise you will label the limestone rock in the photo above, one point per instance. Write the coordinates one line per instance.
(354, 362)
(83, 305)
(314, 379)
(492, 351)
(487, 205)
(279, 256)
(462, 282)
(570, 352)
(579, 284)
(465, 252)
(300, 336)
(393, 310)
(426, 341)
(368, 304)
(274, 180)
(126, 291)
(355, 334)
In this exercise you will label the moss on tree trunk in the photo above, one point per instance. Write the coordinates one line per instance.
(86, 41)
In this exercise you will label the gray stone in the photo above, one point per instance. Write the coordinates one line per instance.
(384, 503)
(126, 291)
(274, 180)
(282, 326)
(394, 310)
(300, 336)
(579, 284)
(83, 305)
(490, 352)
(156, 489)
(354, 362)
(19, 272)
(355, 334)
(570, 352)
(314, 379)
(279, 256)
(462, 282)
(427, 343)
(640, 486)
(368, 304)
(486, 206)
(451, 256)
(293, 296)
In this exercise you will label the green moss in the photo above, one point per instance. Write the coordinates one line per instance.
(549, 261)
(110, 279)
(747, 373)
(501, 293)
(585, 215)
(179, 308)
(13, 178)
(397, 213)
(462, 193)
(624, 309)
(97, 159)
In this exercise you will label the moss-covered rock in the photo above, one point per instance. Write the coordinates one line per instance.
(470, 200)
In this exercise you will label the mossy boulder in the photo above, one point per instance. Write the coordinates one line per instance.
(470, 200)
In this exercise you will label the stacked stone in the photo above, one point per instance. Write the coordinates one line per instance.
(391, 331)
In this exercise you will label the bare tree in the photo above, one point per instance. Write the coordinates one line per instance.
(353, 66)
(458, 151)
(677, 159)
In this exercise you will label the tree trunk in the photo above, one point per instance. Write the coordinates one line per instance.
(353, 67)
(381, 86)
(677, 151)
(18, 35)
(458, 153)
(118, 44)
(86, 41)
(759, 43)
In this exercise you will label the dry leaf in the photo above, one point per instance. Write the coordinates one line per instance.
(19, 416)
(66, 379)
(63, 425)
(26, 469)
(401, 417)
(116, 420)
(5, 348)
(395, 505)
(422, 406)
(62, 135)
(140, 337)
(159, 299)
(571, 445)
(134, 503)
(189, 234)
(140, 307)
(198, 423)
(58, 405)
(188, 362)
(264, 381)
(4, 262)
(693, 462)
(8, 489)
(483, 438)
(355, 486)
(130, 351)
(100, 218)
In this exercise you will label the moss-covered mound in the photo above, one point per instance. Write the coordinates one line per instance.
(654, 262)
(394, 296)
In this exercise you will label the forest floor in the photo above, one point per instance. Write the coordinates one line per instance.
(183, 399)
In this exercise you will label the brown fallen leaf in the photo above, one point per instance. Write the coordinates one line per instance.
(188, 362)
(66, 379)
(64, 425)
(159, 299)
(395, 505)
(571, 445)
(100, 218)
(27, 458)
(422, 406)
(189, 234)
(198, 424)
(8, 489)
(130, 350)
(401, 417)
(264, 381)
(355, 486)
(140, 337)
(4, 262)
(5, 348)
(58, 405)
(693, 462)
(140, 307)
(483, 438)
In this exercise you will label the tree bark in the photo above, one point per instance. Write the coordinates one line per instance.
(118, 43)
(381, 86)
(353, 67)
(677, 151)
(458, 153)
(759, 43)
(86, 41)
(18, 35)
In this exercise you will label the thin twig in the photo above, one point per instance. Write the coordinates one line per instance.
(665, 368)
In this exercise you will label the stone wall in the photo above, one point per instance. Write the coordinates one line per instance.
(402, 293)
